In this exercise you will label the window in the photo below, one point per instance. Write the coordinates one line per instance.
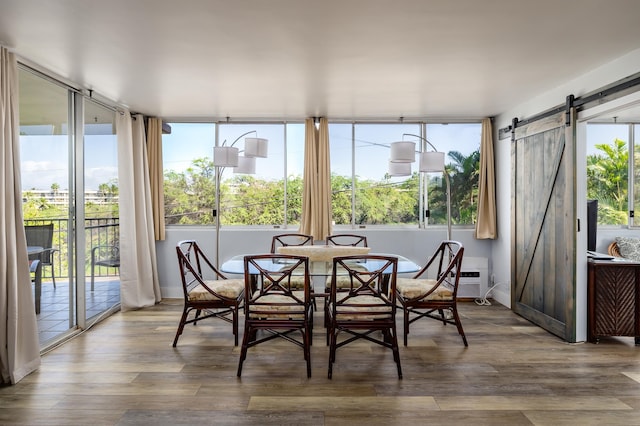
(363, 191)
(254, 199)
(461, 144)
(264, 198)
(609, 177)
(188, 173)
(379, 197)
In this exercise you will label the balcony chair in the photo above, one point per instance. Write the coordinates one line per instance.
(366, 306)
(433, 290)
(105, 255)
(277, 307)
(35, 268)
(42, 236)
(206, 289)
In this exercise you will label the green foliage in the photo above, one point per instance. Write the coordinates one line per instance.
(607, 181)
(245, 200)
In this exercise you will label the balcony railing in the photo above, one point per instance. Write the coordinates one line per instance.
(99, 232)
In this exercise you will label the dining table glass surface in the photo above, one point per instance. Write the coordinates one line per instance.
(235, 265)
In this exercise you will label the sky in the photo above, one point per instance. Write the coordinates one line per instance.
(605, 134)
(44, 160)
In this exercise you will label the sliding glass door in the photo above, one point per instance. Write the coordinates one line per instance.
(68, 163)
(101, 213)
(46, 142)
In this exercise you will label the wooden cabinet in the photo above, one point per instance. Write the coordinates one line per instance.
(613, 299)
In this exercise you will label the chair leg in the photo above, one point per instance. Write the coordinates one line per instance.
(456, 318)
(93, 277)
(243, 352)
(307, 349)
(332, 349)
(406, 325)
(180, 326)
(53, 276)
(234, 315)
(396, 351)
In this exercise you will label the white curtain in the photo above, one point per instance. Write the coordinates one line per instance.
(138, 268)
(19, 346)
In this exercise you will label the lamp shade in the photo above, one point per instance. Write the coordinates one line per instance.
(403, 152)
(432, 162)
(399, 169)
(225, 156)
(246, 165)
(256, 147)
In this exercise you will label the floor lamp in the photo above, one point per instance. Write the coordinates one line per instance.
(229, 156)
(403, 153)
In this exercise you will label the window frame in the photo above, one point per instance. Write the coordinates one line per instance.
(422, 195)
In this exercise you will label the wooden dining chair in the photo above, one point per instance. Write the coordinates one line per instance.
(206, 289)
(291, 239)
(368, 305)
(346, 240)
(352, 240)
(276, 307)
(432, 292)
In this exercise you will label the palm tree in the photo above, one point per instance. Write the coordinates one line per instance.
(464, 172)
(607, 181)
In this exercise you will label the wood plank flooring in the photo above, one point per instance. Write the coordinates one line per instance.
(125, 372)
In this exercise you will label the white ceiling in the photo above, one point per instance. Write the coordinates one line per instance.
(346, 59)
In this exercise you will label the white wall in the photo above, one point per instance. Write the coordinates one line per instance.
(501, 248)
(415, 244)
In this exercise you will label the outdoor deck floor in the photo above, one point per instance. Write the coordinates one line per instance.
(54, 304)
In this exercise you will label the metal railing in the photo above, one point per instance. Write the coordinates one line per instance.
(99, 232)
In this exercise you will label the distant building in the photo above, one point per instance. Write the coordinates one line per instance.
(61, 197)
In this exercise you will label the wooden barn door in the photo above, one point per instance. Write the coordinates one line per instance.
(543, 224)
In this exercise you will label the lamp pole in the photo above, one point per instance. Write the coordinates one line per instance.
(218, 169)
(447, 182)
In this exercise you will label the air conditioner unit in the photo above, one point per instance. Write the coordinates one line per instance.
(473, 277)
(469, 285)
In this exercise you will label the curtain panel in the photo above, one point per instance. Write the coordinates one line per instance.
(156, 176)
(138, 268)
(19, 346)
(486, 227)
(316, 193)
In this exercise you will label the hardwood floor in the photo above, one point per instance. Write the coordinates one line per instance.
(125, 372)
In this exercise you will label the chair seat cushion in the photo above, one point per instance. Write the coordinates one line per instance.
(411, 288)
(278, 306)
(343, 280)
(376, 311)
(297, 282)
(226, 288)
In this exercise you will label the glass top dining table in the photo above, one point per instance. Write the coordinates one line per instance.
(321, 267)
